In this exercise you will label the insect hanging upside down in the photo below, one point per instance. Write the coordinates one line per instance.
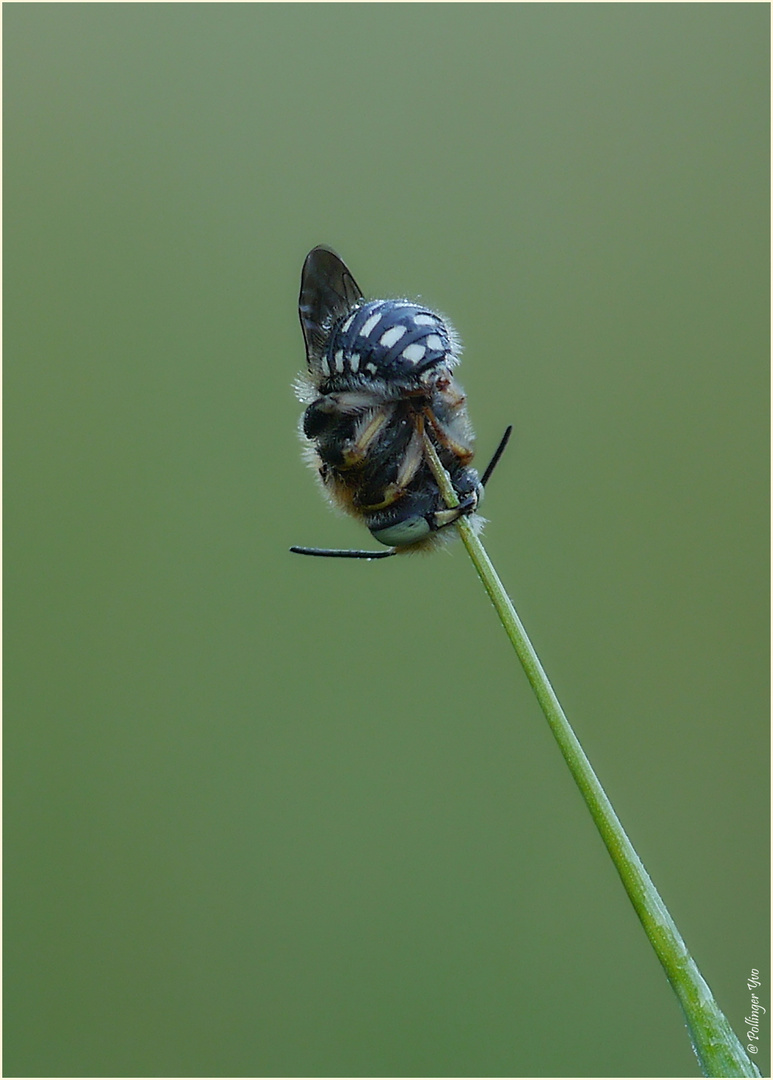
(378, 380)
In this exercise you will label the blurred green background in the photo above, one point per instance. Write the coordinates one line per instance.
(273, 816)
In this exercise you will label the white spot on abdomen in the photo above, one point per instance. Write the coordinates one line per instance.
(367, 327)
(434, 342)
(389, 337)
(413, 353)
(339, 360)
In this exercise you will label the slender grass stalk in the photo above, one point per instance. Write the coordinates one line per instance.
(716, 1046)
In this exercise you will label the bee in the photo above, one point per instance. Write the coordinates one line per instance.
(379, 376)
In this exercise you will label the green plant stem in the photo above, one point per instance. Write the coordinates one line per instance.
(716, 1046)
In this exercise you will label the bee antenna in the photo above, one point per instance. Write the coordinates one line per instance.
(497, 455)
(334, 553)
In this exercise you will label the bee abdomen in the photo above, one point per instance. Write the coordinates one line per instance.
(387, 339)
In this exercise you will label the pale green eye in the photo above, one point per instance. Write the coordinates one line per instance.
(405, 532)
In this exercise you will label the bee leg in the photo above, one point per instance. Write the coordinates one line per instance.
(414, 455)
(441, 518)
(497, 455)
(412, 459)
(461, 452)
(357, 450)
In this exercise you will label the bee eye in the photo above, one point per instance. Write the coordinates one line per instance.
(404, 532)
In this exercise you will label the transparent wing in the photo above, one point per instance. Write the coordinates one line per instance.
(328, 291)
